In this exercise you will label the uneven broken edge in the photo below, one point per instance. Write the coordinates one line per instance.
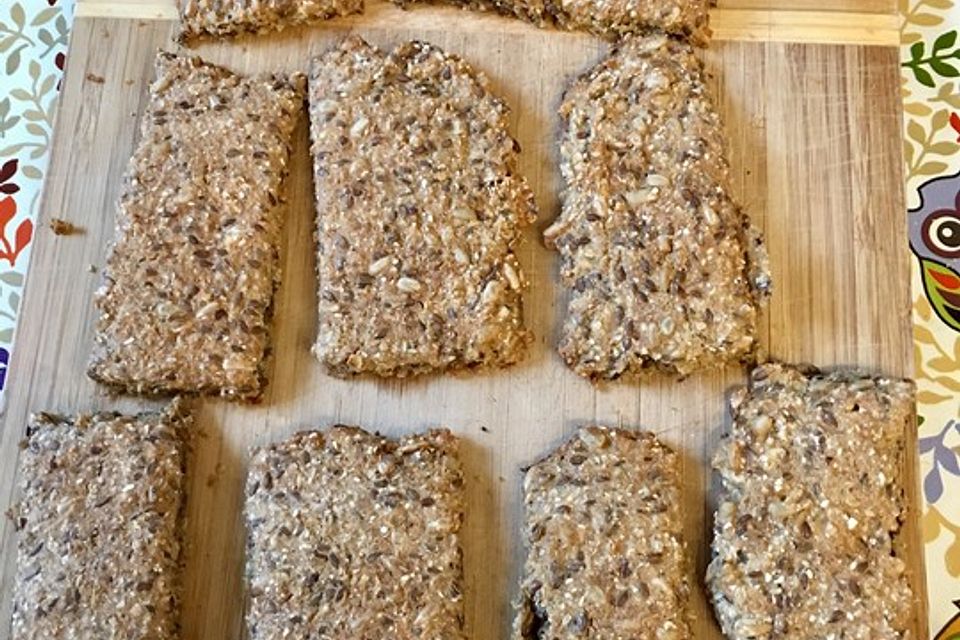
(187, 294)
(419, 209)
(352, 535)
(223, 18)
(100, 525)
(605, 551)
(664, 269)
(811, 506)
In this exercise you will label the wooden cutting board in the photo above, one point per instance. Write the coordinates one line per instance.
(815, 132)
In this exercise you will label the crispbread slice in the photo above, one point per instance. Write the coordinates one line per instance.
(188, 287)
(221, 18)
(605, 543)
(811, 504)
(99, 526)
(614, 19)
(663, 268)
(534, 11)
(351, 536)
(419, 209)
(610, 19)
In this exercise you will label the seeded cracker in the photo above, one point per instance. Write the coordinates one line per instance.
(351, 536)
(663, 268)
(220, 18)
(419, 208)
(99, 526)
(605, 544)
(811, 504)
(188, 287)
(610, 19)
(614, 19)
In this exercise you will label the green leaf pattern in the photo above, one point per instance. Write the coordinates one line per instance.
(930, 64)
(941, 60)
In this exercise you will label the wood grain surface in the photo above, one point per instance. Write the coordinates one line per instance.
(870, 6)
(815, 133)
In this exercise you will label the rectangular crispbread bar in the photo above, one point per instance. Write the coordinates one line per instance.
(615, 19)
(609, 19)
(352, 536)
(605, 555)
(99, 526)
(663, 268)
(188, 287)
(221, 18)
(805, 536)
(419, 209)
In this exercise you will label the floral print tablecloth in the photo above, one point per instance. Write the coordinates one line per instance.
(33, 42)
(930, 54)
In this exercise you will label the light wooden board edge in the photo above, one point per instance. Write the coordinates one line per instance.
(753, 25)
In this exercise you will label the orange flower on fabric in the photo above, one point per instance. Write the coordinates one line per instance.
(22, 236)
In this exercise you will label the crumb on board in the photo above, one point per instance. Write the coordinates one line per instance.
(92, 268)
(213, 477)
(94, 78)
(61, 227)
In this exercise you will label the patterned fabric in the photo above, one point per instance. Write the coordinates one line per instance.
(33, 42)
(930, 54)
